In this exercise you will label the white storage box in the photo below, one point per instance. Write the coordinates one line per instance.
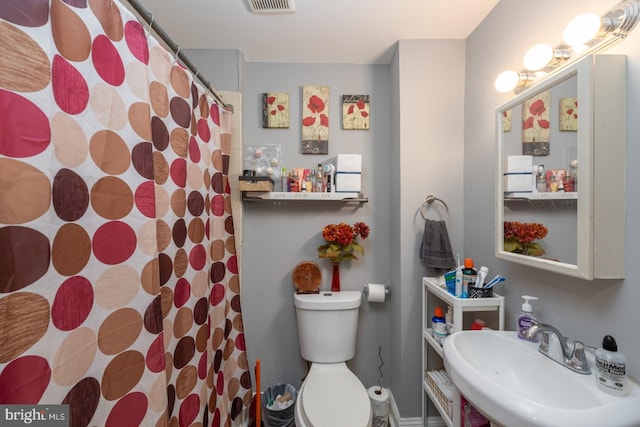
(348, 182)
(519, 182)
(519, 164)
(349, 163)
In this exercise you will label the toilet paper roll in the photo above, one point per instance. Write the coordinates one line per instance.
(379, 397)
(376, 293)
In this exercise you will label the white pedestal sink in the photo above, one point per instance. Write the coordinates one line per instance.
(508, 380)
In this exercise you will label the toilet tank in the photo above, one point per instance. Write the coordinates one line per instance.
(327, 325)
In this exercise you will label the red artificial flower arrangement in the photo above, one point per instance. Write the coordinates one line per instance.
(341, 241)
(519, 237)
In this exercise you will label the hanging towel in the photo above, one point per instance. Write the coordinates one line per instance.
(435, 250)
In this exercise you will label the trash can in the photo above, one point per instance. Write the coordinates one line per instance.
(278, 405)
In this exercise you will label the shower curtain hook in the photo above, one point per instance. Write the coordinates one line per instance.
(178, 53)
(150, 23)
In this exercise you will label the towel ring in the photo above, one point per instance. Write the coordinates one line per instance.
(429, 201)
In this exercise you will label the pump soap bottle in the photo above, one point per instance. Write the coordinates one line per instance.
(611, 368)
(526, 318)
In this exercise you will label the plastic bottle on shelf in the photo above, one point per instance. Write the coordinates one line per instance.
(482, 275)
(294, 182)
(469, 275)
(526, 318)
(319, 179)
(311, 183)
(478, 325)
(439, 325)
(541, 182)
(284, 180)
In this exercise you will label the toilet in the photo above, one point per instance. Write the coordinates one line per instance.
(331, 395)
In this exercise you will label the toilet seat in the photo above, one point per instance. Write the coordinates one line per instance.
(332, 395)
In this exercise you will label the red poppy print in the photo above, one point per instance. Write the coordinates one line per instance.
(315, 119)
(528, 123)
(315, 105)
(569, 114)
(355, 111)
(535, 124)
(537, 108)
(275, 110)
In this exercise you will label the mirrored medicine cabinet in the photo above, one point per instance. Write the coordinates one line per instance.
(561, 148)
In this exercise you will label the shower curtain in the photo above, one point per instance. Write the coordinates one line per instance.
(119, 287)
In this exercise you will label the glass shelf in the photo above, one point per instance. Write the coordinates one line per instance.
(558, 195)
(262, 196)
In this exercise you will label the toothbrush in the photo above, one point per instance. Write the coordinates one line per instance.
(495, 281)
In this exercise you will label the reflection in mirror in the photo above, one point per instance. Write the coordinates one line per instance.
(540, 162)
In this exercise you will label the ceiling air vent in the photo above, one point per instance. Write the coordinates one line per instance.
(271, 6)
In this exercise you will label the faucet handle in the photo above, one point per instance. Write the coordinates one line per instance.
(544, 342)
(578, 359)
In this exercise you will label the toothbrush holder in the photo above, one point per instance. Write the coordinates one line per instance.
(480, 292)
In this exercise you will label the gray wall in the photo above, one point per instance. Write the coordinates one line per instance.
(428, 78)
(223, 68)
(584, 310)
(279, 236)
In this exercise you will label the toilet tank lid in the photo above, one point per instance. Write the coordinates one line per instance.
(343, 300)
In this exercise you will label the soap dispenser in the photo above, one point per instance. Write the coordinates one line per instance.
(526, 318)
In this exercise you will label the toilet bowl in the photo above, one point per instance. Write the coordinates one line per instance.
(332, 396)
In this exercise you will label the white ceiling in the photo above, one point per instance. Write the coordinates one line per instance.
(321, 31)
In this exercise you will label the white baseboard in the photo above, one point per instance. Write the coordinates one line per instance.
(395, 420)
(394, 416)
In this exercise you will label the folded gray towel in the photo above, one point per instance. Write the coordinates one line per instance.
(435, 249)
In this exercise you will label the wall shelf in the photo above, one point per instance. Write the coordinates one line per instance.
(264, 196)
(548, 200)
(559, 195)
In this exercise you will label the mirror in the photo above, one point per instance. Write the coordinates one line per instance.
(554, 210)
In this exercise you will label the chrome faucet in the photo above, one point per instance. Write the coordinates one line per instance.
(574, 359)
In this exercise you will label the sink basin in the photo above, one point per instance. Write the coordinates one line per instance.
(508, 380)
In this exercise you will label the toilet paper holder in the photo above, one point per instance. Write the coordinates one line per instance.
(365, 289)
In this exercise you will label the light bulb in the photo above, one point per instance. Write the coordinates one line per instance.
(581, 29)
(538, 57)
(506, 81)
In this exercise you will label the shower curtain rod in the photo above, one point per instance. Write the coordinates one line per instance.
(175, 48)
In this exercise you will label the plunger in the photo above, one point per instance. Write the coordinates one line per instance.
(258, 397)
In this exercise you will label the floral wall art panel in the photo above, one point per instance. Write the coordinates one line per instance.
(506, 121)
(535, 125)
(315, 119)
(355, 112)
(569, 114)
(275, 110)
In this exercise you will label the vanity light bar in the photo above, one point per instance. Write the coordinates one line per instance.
(585, 34)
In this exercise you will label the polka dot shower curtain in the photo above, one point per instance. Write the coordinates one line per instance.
(119, 290)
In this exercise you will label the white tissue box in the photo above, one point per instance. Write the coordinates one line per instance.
(519, 163)
(349, 163)
(519, 182)
(348, 182)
